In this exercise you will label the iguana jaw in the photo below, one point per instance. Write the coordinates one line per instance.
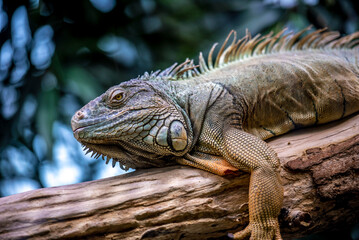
(116, 153)
(98, 148)
(107, 152)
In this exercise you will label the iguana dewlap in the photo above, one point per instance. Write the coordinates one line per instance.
(215, 115)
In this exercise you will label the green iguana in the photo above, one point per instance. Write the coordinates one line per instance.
(216, 115)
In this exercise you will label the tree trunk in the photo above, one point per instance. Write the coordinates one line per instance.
(321, 187)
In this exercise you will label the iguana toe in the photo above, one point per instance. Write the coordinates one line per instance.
(262, 231)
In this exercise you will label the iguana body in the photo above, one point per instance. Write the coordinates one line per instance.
(216, 117)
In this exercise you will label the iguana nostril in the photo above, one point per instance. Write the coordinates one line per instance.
(80, 115)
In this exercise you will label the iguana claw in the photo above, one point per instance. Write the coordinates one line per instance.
(259, 231)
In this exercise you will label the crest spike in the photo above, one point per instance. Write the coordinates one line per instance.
(230, 49)
(295, 37)
(248, 33)
(351, 39)
(248, 48)
(304, 41)
(219, 55)
(325, 38)
(202, 63)
(186, 69)
(238, 53)
(343, 42)
(267, 38)
(167, 71)
(180, 66)
(313, 39)
(275, 39)
(353, 44)
(195, 70)
(232, 56)
(281, 42)
(210, 62)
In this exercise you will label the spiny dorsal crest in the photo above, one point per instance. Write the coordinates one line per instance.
(248, 47)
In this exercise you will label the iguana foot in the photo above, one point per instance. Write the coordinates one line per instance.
(263, 231)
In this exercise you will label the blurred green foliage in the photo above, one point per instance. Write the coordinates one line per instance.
(65, 53)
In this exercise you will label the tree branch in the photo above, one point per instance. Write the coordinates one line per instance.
(319, 172)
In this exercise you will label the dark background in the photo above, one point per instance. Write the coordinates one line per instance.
(55, 56)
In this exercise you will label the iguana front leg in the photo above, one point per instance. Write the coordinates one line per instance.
(249, 153)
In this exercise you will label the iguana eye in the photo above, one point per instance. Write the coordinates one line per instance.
(119, 96)
(116, 96)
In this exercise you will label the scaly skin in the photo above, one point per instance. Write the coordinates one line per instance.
(217, 120)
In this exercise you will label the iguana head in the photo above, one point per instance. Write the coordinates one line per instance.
(134, 123)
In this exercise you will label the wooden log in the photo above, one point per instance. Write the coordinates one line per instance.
(321, 187)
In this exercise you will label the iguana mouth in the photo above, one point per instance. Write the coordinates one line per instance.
(76, 130)
(78, 126)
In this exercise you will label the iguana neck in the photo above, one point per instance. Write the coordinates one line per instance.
(206, 101)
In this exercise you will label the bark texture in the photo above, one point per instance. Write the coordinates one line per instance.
(320, 173)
